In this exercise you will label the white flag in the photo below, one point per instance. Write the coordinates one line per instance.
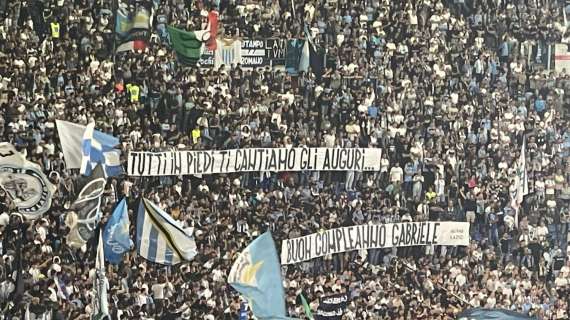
(70, 137)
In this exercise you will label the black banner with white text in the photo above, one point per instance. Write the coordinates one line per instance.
(331, 307)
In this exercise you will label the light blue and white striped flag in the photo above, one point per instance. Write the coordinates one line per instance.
(160, 238)
(99, 149)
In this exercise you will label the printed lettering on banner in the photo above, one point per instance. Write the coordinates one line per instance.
(374, 236)
(331, 307)
(254, 53)
(254, 159)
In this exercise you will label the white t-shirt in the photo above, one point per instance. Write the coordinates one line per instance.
(384, 163)
(440, 187)
(541, 232)
(353, 130)
(460, 279)
(413, 18)
(329, 140)
(127, 187)
(539, 185)
(549, 184)
(560, 282)
(396, 174)
(50, 148)
(159, 290)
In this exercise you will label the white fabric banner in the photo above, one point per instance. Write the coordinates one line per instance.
(254, 159)
(374, 236)
(561, 57)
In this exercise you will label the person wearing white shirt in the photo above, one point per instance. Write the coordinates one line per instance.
(440, 189)
(549, 185)
(479, 69)
(329, 139)
(491, 301)
(524, 239)
(454, 271)
(461, 279)
(396, 174)
(352, 130)
(384, 165)
(539, 187)
(541, 232)
(141, 298)
(50, 147)
(561, 281)
(161, 290)
(135, 136)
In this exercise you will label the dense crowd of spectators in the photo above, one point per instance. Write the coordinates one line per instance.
(448, 89)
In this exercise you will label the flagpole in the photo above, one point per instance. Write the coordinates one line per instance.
(326, 50)
(293, 8)
(115, 8)
(437, 284)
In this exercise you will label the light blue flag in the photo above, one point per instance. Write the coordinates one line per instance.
(116, 240)
(98, 148)
(123, 23)
(256, 274)
(489, 314)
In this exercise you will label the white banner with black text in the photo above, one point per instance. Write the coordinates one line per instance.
(374, 236)
(252, 159)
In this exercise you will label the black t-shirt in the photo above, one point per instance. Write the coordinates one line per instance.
(453, 190)
(470, 205)
(170, 315)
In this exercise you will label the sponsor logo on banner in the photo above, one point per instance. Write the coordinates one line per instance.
(254, 159)
(374, 236)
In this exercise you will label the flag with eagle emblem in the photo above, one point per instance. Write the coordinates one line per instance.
(256, 275)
